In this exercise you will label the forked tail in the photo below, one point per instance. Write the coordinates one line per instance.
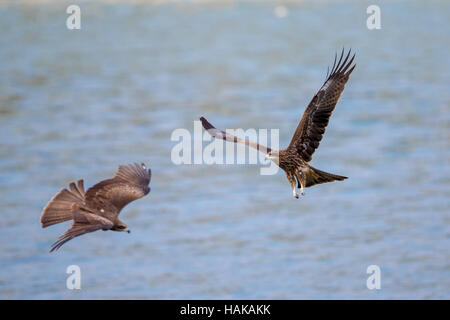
(59, 208)
(315, 176)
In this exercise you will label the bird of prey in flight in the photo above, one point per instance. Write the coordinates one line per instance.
(294, 159)
(98, 208)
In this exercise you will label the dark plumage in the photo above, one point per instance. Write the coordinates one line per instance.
(98, 207)
(294, 159)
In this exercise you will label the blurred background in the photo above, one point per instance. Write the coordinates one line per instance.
(77, 103)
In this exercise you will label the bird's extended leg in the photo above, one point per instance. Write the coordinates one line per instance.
(293, 183)
(299, 176)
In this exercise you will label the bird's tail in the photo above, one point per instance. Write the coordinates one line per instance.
(315, 176)
(59, 208)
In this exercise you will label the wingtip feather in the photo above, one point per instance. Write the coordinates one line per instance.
(342, 65)
(206, 124)
(134, 173)
(350, 71)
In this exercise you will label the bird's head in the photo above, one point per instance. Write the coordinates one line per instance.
(121, 227)
(274, 156)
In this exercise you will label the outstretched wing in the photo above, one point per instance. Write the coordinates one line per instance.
(84, 222)
(219, 134)
(129, 183)
(315, 119)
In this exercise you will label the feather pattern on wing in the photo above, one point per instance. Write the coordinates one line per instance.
(219, 134)
(315, 119)
(129, 183)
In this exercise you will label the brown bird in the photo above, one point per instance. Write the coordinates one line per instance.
(294, 159)
(98, 207)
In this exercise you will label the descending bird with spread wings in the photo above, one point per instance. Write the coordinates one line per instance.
(294, 159)
(98, 208)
